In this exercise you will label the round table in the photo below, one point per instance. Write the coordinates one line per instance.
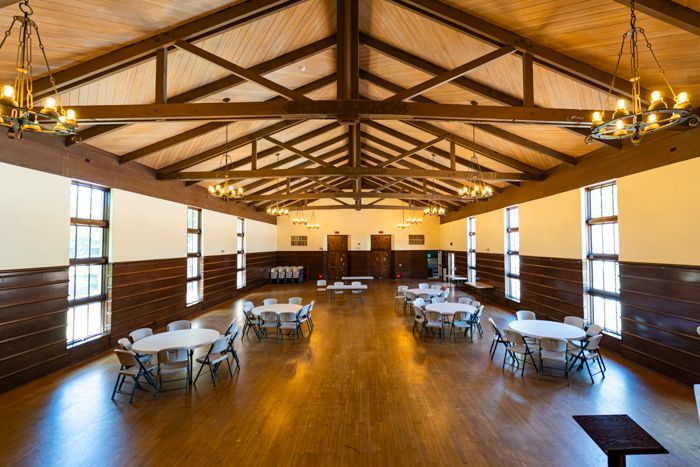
(450, 308)
(277, 308)
(184, 338)
(431, 292)
(541, 329)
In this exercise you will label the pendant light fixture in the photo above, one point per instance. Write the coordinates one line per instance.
(226, 190)
(475, 189)
(277, 210)
(313, 224)
(403, 224)
(434, 209)
(635, 123)
(17, 111)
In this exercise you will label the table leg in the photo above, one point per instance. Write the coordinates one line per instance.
(617, 460)
(191, 352)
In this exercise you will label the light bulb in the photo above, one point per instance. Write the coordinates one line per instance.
(655, 96)
(211, 188)
(621, 104)
(62, 118)
(70, 114)
(619, 124)
(682, 97)
(50, 103)
(596, 116)
(652, 118)
(8, 91)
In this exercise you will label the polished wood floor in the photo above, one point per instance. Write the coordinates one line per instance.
(361, 390)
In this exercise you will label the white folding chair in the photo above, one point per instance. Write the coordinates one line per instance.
(289, 322)
(524, 315)
(303, 317)
(400, 296)
(270, 301)
(590, 352)
(518, 350)
(356, 292)
(216, 355)
(140, 333)
(270, 320)
(173, 361)
(131, 367)
(296, 271)
(435, 321)
(557, 351)
(294, 300)
(340, 292)
(273, 275)
(575, 321)
(423, 285)
(321, 287)
(178, 325)
(124, 343)
(497, 338)
(461, 320)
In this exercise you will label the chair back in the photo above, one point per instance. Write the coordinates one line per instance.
(524, 315)
(465, 300)
(356, 283)
(287, 317)
(220, 345)
(295, 300)
(496, 331)
(461, 316)
(401, 289)
(248, 306)
(270, 317)
(437, 300)
(435, 286)
(270, 301)
(181, 324)
(476, 303)
(553, 345)
(321, 283)
(513, 337)
(295, 272)
(273, 273)
(169, 356)
(418, 313)
(594, 343)
(574, 321)
(594, 330)
(446, 294)
(126, 358)
(410, 296)
(139, 334)
(338, 283)
(423, 285)
(433, 316)
(124, 343)
(311, 305)
(419, 302)
(304, 312)
(232, 329)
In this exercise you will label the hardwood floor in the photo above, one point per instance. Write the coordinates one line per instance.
(361, 390)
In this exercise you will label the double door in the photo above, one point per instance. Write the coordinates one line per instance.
(380, 256)
(338, 265)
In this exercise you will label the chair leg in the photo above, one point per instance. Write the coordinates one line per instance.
(157, 384)
(505, 354)
(198, 373)
(491, 349)
(133, 391)
(235, 357)
(600, 356)
(211, 373)
(229, 367)
(115, 386)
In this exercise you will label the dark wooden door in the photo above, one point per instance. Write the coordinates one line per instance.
(380, 256)
(337, 256)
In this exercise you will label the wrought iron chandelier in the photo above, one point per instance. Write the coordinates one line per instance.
(636, 123)
(226, 190)
(413, 220)
(475, 188)
(277, 210)
(300, 219)
(312, 224)
(17, 102)
(403, 224)
(433, 209)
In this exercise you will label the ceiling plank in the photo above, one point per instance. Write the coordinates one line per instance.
(242, 72)
(450, 75)
(299, 152)
(197, 29)
(227, 82)
(669, 12)
(479, 28)
(411, 151)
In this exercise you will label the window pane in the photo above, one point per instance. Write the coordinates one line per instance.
(192, 267)
(192, 292)
(71, 247)
(192, 243)
(609, 241)
(594, 203)
(71, 282)
(597, 274)
(96, 242)
(514, 264)
(95, 280)
(98, 202)
(83, 242)
(82, 281)
(84, 198)
(240, 279)
(70, 326)
(80, 322)
(94, 325)
(74, 200)
(607, 200)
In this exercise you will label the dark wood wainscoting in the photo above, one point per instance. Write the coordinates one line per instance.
(411, 264)
(360, 263)
(258, 267)
(490, 268)
(33, 305)
(311, 260)
(219, 279)
(148, 293)
(552, 287)
(660, 314)
(461, 266)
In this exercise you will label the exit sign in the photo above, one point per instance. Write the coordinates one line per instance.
(336, 232)
(381, 231)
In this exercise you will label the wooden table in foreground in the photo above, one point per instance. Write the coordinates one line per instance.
(618, 436)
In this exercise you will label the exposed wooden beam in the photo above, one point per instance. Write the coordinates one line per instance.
(197, 29)
(161, 76)
(350, 194)
(230, 81)
(411, 151)
(242, 72)
(669, 12)
(340, 110)
(347, 172)
(355, 145)
(365, 206)
(453, 154)
(348, 34)
(513, 138)
(528, 81)
(481, 29)
(254, 154)
(447, 76)
(299, 152)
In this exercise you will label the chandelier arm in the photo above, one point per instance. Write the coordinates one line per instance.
(612, 83)
(46, 62)
(8, 33)
(656, 60)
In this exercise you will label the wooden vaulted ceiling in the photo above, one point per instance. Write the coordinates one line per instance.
(515, 59)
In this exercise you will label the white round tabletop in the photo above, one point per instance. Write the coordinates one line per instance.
(277, 308)
(450, 308)
(431, 292)
(542, 329)
(184, 338)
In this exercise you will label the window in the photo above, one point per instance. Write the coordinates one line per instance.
(416, 239)
(87, 269)
(471, 249)
(299, 240)
(512, 257)
(194, 256)
(451, 268)
(603, 287)
(240, 258)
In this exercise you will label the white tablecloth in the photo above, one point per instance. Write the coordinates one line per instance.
(184, 338)
(541, 329)
(450, 308)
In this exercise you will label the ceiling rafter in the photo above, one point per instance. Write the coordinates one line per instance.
(669, 12)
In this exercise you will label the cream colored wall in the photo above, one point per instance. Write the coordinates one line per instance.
(34, 223)
(260, 236)
(218, 233)
(453, 235)
(489, 232)
(144, 228)
(359, 225)
(659, 215)
(552, 226)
